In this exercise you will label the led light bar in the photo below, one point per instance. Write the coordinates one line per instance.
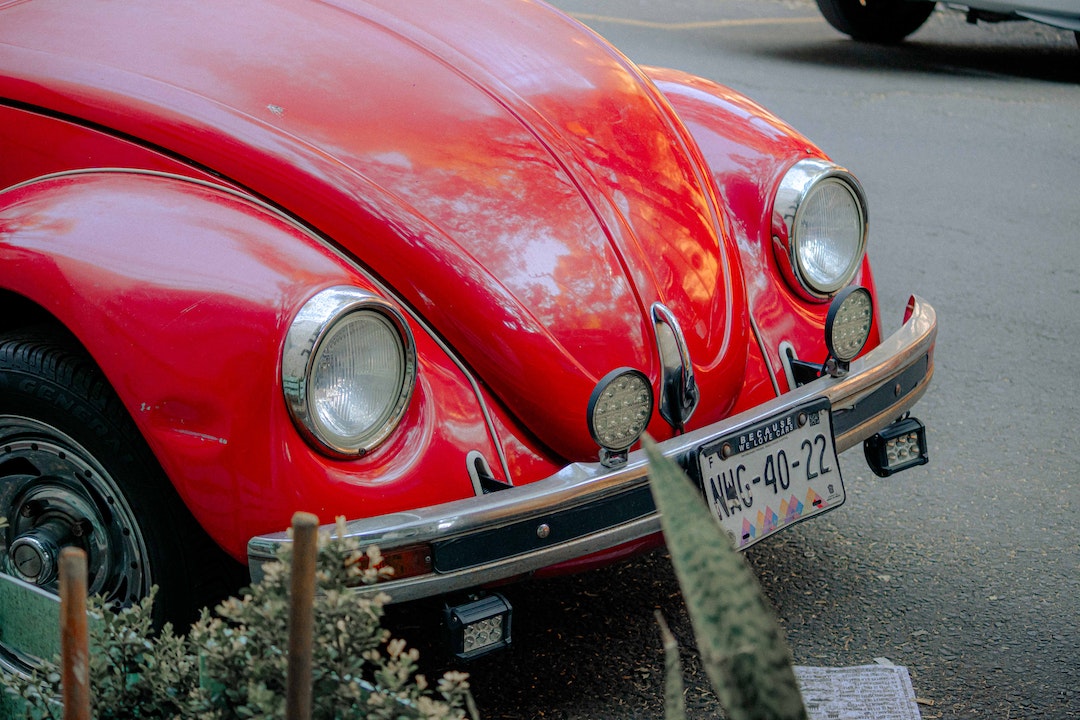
(898, 447)
(479, 626)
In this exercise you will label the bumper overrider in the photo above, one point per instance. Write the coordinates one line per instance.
(587, 508)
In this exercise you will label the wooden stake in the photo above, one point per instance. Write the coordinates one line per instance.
(74, 638)
(301, 616)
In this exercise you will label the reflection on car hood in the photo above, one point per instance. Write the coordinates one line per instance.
(515, 179)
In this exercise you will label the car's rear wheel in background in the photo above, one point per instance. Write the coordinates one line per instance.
(879, 21)
(74, 470)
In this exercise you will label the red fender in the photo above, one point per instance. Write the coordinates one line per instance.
(748, 150)
(185, 308)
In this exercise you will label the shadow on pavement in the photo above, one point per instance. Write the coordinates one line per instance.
(1049, 64)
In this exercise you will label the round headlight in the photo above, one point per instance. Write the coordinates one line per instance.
(348, 370)
(823, 238)
(847, 326)
(620, 408)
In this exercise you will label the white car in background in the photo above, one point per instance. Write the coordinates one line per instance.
(890, 21)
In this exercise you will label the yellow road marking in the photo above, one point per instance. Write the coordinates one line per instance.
(704, 24)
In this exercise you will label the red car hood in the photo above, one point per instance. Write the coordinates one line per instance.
(511, 176)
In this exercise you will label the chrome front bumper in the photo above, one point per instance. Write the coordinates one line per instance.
(586, 508)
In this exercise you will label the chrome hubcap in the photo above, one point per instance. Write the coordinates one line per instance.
(55, 494)
(35, 555)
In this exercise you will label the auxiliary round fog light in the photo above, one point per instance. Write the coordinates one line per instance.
(620, 408)
(847, 326)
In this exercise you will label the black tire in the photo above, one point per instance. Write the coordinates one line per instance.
(74, 470)
(878, 21)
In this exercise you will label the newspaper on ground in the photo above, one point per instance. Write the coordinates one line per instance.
(863, 692)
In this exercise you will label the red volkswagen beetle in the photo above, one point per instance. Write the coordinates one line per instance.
(433, 269)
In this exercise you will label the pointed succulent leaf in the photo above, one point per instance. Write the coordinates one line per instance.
(674, 702)
(740, 642)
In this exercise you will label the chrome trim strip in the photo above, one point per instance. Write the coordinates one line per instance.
(765, 355)
(580, 484)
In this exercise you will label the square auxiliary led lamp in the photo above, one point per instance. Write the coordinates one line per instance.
(479, 626)
(898, 447)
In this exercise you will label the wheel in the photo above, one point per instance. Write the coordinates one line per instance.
(879, 21)
(74, 470)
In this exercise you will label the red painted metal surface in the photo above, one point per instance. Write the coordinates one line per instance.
(748, 149)
(514, 180)
(189, 334)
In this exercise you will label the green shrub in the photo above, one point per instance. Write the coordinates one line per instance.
(232, 663)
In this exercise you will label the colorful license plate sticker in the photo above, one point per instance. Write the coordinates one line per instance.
(776, 472)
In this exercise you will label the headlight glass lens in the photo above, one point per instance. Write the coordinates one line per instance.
(356, 377)
(829, 235)
(819, 227)
(348, 370)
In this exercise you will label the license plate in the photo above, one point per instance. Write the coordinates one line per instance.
(774, 473)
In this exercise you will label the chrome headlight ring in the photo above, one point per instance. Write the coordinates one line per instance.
(819, 227)
(348, 370)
